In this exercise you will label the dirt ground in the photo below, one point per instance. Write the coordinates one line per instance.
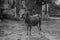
(16, 30)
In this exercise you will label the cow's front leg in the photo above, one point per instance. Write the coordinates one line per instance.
(27, 30)
(39, 28)
(30, 29)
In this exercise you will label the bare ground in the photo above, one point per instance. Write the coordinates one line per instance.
(13, 30)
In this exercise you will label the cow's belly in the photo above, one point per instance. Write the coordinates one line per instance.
(35, 22)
